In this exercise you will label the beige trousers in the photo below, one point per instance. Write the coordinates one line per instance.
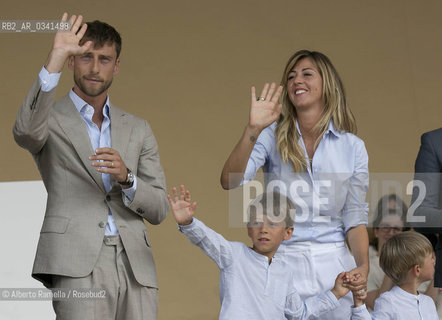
(114, 294)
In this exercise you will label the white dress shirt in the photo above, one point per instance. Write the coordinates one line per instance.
(329, 196)
(250, 287)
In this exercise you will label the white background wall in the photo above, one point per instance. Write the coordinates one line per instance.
(22, 206)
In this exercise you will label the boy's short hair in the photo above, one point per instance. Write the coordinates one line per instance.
(402, 252)
(281, 208)
(102, 33)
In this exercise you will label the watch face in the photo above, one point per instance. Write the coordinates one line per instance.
(129, 179)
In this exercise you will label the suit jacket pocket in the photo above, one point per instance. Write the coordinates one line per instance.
(55, 224)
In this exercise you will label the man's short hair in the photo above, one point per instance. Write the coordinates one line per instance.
(101, 33)
(402, 252)
(275, 206)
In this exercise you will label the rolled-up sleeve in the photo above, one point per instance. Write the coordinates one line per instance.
(356, 208)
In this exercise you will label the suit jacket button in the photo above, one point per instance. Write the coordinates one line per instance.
(140, 211)
(102, 224)
(108, 198)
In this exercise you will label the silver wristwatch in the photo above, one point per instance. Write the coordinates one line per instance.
(129, 179)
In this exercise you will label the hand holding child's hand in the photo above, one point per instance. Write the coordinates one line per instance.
(355, 282)
(359, 291)
(339, 290)
(182, 209)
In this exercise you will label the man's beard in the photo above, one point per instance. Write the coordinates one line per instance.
(89, 90)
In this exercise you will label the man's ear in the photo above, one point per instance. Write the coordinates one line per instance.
(71, 62)
(117, 66)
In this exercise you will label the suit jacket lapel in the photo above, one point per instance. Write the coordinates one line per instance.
(120, 134)
(76, 130)
(120, 131)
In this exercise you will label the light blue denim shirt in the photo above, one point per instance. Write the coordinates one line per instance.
(99, 138)
(329, 196)
(250, 287)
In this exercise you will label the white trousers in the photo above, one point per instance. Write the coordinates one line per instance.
(316, 267)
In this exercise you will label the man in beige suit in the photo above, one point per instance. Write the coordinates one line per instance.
(101, 169)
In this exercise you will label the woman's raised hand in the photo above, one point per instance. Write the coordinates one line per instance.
(265, 109)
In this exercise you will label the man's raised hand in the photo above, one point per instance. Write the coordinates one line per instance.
(66, 43)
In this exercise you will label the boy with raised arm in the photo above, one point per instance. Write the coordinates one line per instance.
(255, 283)
(408, 260)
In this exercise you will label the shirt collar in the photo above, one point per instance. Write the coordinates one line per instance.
(331, 129)
(262, 258)
(80, 104)
(399, 291)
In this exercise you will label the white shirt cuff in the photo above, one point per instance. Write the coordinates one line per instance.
(129, 193)
(48, 81)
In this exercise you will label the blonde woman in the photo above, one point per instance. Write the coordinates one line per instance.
(308, 145)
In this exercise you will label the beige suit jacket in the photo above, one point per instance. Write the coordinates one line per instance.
(77, 206)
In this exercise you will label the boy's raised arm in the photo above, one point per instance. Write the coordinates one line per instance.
(213, 244)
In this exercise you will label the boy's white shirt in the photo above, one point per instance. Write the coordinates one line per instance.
(398, 304)
(250, 287)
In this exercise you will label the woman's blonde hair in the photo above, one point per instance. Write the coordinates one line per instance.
(335, 109)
